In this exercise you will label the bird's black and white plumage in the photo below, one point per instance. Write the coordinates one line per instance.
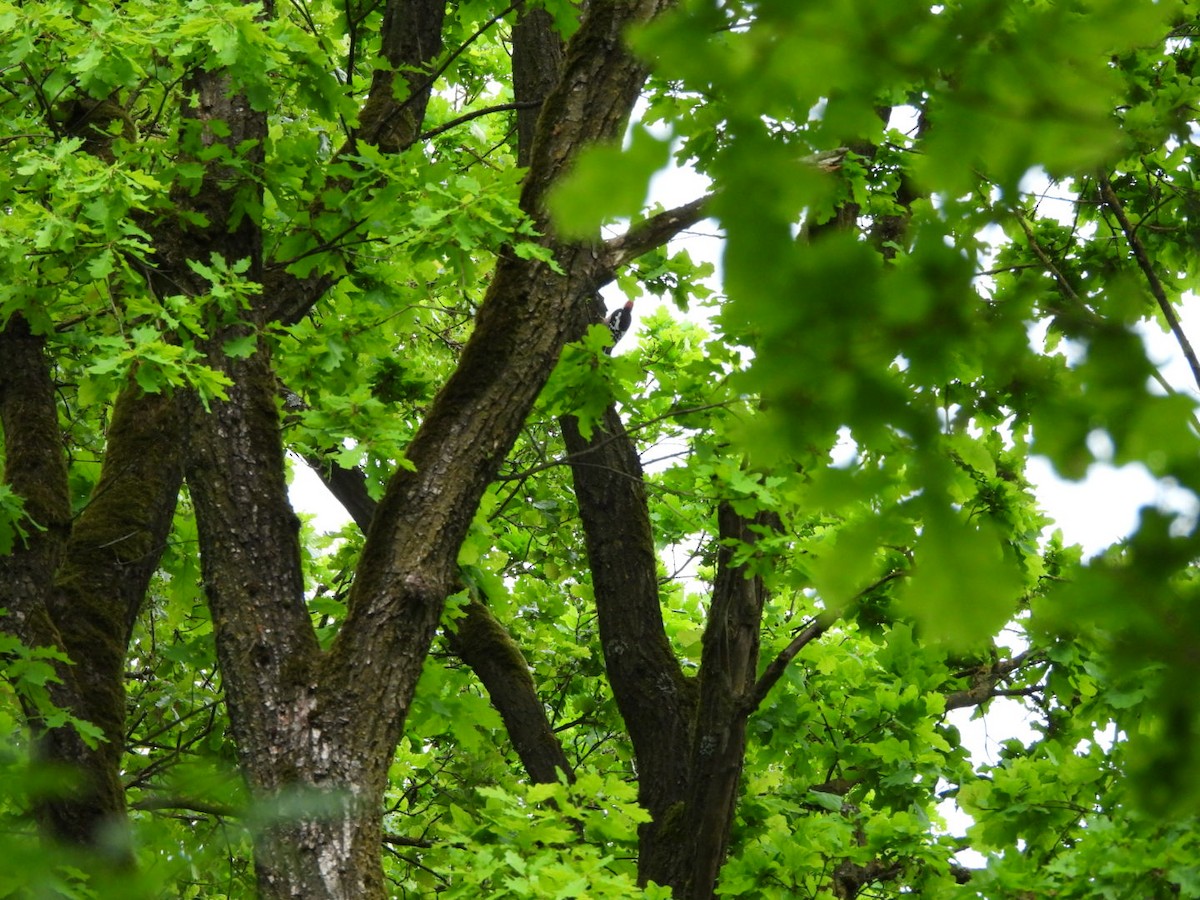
(618, 321)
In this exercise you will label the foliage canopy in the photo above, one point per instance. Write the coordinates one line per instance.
(693, 616)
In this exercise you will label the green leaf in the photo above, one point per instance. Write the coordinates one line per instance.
(241, 347)
(606, 183)
(964, 586)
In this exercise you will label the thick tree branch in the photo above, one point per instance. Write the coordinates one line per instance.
(620, 547)
(481, 642)
(113, 551)
(35, 468)
(408, 563)
(598, 88)
(420, 19)
(537, 59)
(411, 40)
(349, 488)
(486, 646)
(79, 588)
(120, 535)
(1151, 275)
(986, 682)
(654, 232)
(248, 534)
(728, 662)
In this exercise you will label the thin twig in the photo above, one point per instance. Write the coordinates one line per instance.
(1044, 258)
(1155, 283)
(813, 630)
(203, 807)
(326, 246)
(20, 137)
(467, 117)
(631, 429)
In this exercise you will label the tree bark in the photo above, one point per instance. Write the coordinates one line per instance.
(484, 644)
(78, 586)
(113, 551)
(35, 468)
(728, 665)
(411, 40)
(689, 736)
(657, 702)
(537, 60)
(326, 725)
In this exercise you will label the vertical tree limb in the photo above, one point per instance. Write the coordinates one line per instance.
(530, 312)
(411, 40)
(637, 654)
(728, 665)
(114, 549)
(35, 468)
(537, 60)
(331, 721)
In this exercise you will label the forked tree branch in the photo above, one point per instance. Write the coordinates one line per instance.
(985, 682)
(479, 640)
(809, 633)
(775, 669)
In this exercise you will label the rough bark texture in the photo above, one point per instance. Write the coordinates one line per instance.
(656, 700)
(77, 586)
(35, 468)
(728, 664)
(485, 645)
(113, 551)
(688, 735)
(330, 723)
(249, 546)
(321, 724)
(537, 59)
(412, 38)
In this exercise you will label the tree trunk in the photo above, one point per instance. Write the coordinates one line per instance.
(315, 731)
(77, 586)
(688, 735)
(483, 643)
(323, 726)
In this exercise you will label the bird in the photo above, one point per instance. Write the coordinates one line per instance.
(618, 322)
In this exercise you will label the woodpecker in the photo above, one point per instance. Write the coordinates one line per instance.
(618, 321)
